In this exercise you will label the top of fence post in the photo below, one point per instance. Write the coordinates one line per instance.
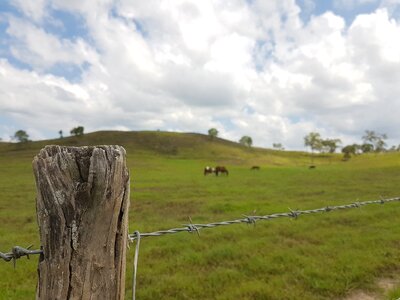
(82, 211)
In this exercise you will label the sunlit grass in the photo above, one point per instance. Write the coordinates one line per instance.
(321, 256)
(394, 294)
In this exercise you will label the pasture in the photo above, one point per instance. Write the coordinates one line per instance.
(324, 256)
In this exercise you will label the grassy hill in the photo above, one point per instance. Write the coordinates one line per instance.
(324, 256)
(178, 145)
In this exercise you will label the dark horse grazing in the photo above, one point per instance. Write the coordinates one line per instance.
(255, 168)
(221, 169)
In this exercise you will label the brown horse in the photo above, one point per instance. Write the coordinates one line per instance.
(208, 170)
(221, 169)
(255, 168)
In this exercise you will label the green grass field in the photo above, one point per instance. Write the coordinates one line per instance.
(322, 256)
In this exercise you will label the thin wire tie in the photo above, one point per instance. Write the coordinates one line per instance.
(192, 228)
(294, 213)
(135, 264)
(250, 220)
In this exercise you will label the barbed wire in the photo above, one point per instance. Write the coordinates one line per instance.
(252, 219)
(18, 252)
(136, 236)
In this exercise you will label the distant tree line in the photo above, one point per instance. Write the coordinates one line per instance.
(317, 143)
(22, 136)
(371, 142)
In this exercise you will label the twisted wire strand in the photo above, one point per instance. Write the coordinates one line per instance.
(18, 252)
(252, 219)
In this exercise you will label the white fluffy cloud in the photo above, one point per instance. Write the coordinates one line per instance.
(246, 67)
(35, 10)
(34, 46)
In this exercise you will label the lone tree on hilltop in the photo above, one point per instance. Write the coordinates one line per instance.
(350, 150)
(330, 145)
(212, 133)
(314, 141)
(21, 136)
(61, 134)
(278, 146)
(246, 141)
(367, 148)
(77, 131)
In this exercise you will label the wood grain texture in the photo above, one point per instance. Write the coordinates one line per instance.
(82, 211)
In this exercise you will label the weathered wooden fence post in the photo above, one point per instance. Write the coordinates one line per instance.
(82, 211)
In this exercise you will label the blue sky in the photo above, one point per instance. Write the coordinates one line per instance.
(348, 9)
(273, 70)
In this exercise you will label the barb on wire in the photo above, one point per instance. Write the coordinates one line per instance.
(18, 252)
(294, 213)
(192, 228)
(252, 219)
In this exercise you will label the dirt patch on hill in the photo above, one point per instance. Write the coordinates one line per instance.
(384, 284)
